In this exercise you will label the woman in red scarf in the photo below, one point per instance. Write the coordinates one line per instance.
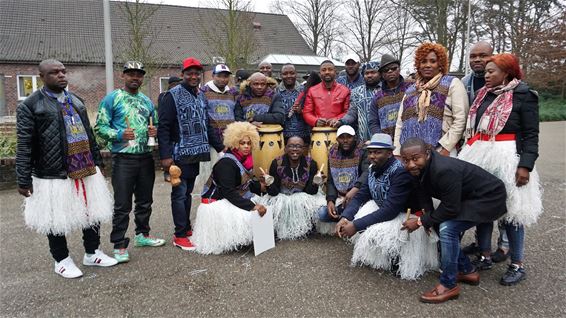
(223, 218)
(502, 133)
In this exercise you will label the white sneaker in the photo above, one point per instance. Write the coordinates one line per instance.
(67, 268)
(99, 259)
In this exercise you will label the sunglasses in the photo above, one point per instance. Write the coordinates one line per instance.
(388, 69)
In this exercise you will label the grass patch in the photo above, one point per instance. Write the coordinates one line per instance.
(552, 108)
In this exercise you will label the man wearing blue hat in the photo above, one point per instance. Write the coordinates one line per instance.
(378, 210)
(361, 99)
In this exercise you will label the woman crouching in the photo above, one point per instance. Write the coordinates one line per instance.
(293, 196)
(223, 221)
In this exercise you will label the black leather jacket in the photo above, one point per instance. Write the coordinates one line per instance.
(42, 141)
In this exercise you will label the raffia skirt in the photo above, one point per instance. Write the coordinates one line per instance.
(500, 158)
(60, 206)
(294, 215)
(382, 243)
(222, 227)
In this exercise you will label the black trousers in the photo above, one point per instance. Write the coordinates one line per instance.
(131, 175)
(58, 243)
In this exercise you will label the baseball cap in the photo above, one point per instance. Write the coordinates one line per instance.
(353, 57)
(221, 68)
(191, 62)
(133, 66)
(346, 129)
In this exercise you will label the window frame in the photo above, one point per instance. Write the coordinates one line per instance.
(34, 79)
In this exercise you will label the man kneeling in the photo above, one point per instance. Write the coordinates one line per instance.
(293, 195)
(468, 196)
(384, 196)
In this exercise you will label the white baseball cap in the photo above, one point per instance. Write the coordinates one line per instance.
(346, 129)
(221, 68)
(353, 57)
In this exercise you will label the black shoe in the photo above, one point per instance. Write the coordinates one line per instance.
(499, 256)
(471, 249)
(483, 263)
(513, 276)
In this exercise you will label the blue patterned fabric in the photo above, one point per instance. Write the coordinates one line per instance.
(379, 187)
(294, 125)
(192, 116)
(351, 85)
(362, 98)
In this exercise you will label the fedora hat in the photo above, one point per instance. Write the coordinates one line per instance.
(380, 141)
(387, 59)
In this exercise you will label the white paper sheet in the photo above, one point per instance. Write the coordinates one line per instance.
(262, 227)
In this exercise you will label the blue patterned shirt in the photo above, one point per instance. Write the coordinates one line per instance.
(344, 80)
(294, 125)
(357, 116)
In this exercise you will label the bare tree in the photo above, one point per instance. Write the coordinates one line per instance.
(400, 33)
(230, 34)
(141, 37)
(365, 24)
(316, 21)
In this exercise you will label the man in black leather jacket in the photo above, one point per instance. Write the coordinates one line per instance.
(56, 167)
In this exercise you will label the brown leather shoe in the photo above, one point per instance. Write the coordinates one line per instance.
(472, 278)
(440, 294)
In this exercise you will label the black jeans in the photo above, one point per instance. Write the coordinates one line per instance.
(58, 243)
(181, 199)
(131, 175)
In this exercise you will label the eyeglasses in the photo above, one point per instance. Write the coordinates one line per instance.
(392, 69)
(295, 146)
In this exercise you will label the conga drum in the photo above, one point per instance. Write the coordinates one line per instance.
(271, 146)
(321, 140)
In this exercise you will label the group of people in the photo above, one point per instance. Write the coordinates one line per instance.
(394, 187)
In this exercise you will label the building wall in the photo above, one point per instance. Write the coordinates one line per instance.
(88, 82)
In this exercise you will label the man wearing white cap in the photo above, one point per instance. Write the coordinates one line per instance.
(377, 209)
(346, 163)
(220, 99)
(352, 78)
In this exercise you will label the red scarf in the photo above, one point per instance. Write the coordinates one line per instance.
(497, 112)
(246, 161)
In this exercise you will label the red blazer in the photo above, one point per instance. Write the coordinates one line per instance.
(323, 103)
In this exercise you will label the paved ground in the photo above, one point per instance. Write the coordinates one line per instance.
(300, 278)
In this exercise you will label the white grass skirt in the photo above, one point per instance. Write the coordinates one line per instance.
(293, 215)
(205, 169)
(328, 228)
(382, 243)
(221, 227)
(524, 204)
(57, 207)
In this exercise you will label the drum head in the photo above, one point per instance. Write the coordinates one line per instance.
(323, 129)
(270, 128)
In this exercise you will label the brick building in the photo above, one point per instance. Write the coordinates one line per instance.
(72, 32)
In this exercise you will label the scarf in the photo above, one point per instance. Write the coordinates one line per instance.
(246, 161)
(495, 116)
(425, 90)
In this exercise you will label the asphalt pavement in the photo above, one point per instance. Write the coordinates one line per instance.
(310, 277)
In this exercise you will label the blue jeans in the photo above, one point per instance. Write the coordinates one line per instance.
(323, 215)
(181, 199)
(453, 260)
(515, 235)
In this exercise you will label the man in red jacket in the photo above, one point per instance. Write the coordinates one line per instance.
(328, 101)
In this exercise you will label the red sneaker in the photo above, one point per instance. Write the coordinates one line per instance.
(184, 243)
(189, 233)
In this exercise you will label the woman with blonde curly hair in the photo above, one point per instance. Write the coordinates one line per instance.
(435, 107)
(223, 218)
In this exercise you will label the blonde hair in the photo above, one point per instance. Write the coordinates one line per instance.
(237, 131)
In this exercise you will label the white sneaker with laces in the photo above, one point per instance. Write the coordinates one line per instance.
(99, 259)
(67, 268)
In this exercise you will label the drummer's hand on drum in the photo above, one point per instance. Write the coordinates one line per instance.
(260, 209)
(166, 163)
(334, 123)
(350, 195)
(257, 123)
(321, 122)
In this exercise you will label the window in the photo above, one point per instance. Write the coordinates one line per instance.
(28, 84)
(163, 84)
